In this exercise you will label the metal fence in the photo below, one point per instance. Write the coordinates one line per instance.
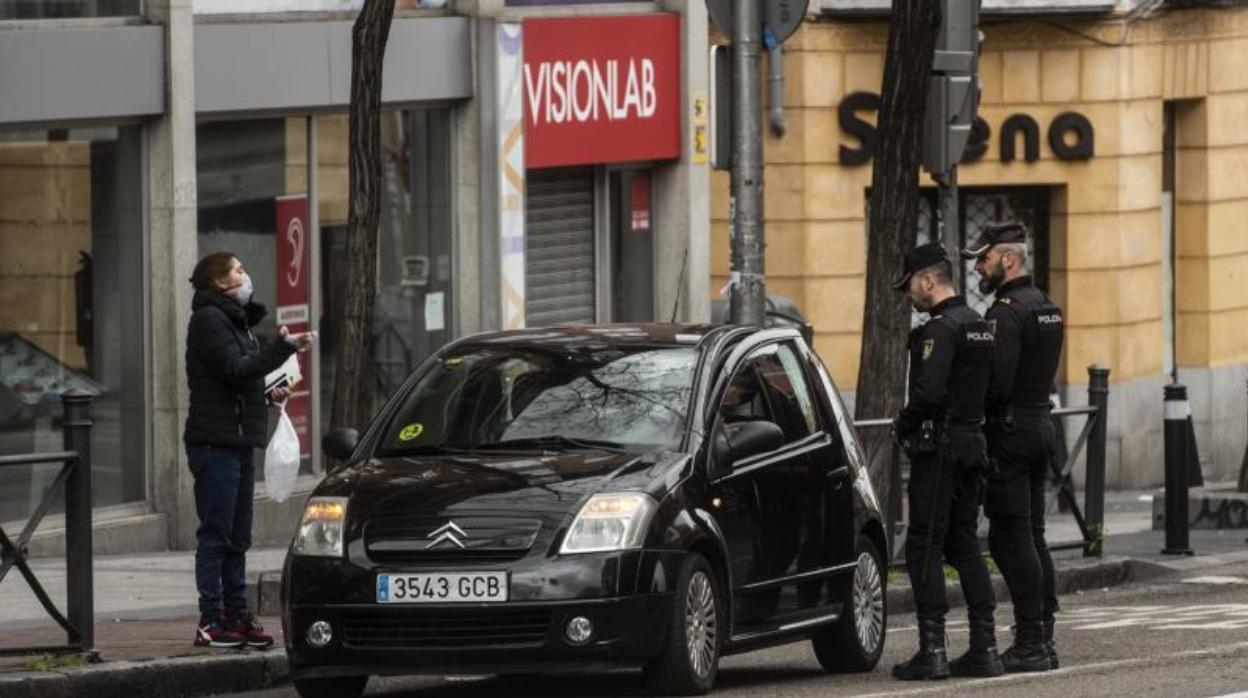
(74, 479)
(1090, 517)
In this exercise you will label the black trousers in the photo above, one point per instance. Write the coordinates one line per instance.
(944, 497)
(1020, 464)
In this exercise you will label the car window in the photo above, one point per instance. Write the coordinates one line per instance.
(841, 415)
(771, 386)
(633, 396)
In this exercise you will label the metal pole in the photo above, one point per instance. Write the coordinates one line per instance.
(1094, 493)
(80, 601)
(748, 290)
(1177, 412)
(949, 222)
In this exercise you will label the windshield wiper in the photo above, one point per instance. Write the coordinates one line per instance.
(425, 450)
(555, 441)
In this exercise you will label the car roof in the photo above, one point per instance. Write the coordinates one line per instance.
(641, 334)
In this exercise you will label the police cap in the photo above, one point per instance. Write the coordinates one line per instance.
(996, 233)
(917, 260)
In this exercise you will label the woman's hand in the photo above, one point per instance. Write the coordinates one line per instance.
(277, 396)
(301, 341)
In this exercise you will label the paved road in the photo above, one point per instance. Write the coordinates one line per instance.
(1186, 636)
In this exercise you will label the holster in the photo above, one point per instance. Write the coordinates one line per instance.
(925, 441)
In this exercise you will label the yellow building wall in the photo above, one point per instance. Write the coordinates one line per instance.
(1106, 249)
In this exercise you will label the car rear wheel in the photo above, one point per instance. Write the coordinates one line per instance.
(856, 642)
(690, 659)
(331, 687)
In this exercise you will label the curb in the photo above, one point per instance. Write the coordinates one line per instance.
(1081, 577)
(179, 676)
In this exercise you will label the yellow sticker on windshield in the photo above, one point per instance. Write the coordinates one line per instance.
(411, 431)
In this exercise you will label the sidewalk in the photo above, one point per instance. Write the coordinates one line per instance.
(146, 608)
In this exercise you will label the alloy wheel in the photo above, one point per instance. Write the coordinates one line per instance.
(868, 603)
(700, 626)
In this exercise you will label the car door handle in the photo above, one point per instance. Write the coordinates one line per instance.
(837, 478)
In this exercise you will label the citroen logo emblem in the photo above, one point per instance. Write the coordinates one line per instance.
(447, 532)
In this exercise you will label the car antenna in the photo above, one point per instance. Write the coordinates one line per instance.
(680, 282)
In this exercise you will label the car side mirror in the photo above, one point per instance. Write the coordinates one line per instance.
(340, 443)
(739, 440)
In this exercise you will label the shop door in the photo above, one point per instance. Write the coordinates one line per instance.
(559, 260)
(632, 247)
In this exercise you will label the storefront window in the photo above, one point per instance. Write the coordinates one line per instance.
(253, 6)
(252, 179)
(72, 306)
(61, 9)
(414, 305)
(632, 247)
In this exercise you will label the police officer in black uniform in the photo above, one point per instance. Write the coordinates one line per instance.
(1029, 330)
(941, 428)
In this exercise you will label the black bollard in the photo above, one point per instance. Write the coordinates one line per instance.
(1177, 412)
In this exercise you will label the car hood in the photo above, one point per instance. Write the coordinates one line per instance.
(502, 482)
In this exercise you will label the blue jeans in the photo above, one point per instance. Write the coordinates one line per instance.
(225, 482)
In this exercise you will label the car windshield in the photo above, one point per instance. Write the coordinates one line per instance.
(634, 397)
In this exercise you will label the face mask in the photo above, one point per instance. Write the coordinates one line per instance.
(244, 290)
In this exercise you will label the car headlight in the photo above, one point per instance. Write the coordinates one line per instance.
(610, 522)
(320, 530)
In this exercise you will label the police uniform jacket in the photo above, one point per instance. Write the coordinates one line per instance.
(1029, 330)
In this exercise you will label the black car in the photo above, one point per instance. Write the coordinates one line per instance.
(591, 498)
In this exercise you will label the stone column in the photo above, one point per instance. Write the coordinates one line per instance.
(172, 223)
(682, 189)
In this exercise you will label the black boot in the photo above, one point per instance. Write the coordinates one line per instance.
(931, 661)
(1028, 652)
(981, 660)
(1049, 645)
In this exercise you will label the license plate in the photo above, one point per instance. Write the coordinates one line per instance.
(442, 587)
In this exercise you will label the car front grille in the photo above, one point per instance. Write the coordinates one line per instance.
(441, 629)
(485, 539)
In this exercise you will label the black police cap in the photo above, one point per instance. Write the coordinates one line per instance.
(917, 260)
(996, 233)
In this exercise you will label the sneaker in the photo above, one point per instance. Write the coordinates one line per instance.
(251, 632)
(213, 634)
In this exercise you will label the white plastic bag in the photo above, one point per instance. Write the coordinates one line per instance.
(281, 459)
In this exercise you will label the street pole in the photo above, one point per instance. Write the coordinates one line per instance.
(748, 290)
(949, 223)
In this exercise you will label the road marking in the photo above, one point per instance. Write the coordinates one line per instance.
(1069, 671)
(1216, 580)
(1232, 616)
(1233, 695)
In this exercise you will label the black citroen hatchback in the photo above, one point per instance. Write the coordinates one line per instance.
(585, 498)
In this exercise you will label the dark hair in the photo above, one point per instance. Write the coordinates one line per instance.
(211, 268)
(942, 271)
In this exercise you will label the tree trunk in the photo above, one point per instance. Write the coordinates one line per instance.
(352, 379)
(894, 210)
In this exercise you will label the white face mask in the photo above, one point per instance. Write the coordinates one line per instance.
(245, 290)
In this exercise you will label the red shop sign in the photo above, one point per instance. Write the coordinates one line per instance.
(601, 89)
(292, 278)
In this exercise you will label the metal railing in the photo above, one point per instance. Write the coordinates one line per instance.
(74, 479)
(1090, 517)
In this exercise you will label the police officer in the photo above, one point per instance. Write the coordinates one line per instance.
(1029, 330)
(941, 428)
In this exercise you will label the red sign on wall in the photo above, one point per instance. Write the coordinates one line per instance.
(293, 310)
(601, 89)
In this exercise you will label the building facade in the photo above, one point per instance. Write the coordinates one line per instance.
(1114, 131)
(137, 136)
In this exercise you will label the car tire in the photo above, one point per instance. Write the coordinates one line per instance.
(331, 687)
(856, 642)
(688, 668)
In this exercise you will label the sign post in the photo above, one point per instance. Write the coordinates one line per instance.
(293, 311)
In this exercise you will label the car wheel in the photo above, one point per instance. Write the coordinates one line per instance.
(331, 687)
(856, 642)
(690, 658)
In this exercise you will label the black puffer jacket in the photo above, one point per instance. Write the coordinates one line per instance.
(225, 369)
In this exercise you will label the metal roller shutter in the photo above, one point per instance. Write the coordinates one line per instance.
(559, 247)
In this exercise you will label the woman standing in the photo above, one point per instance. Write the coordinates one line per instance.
(227, 421)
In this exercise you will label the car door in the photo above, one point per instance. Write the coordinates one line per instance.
(771, 505)
(842, 462)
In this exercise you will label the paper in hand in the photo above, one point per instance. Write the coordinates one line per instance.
(286, 376)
